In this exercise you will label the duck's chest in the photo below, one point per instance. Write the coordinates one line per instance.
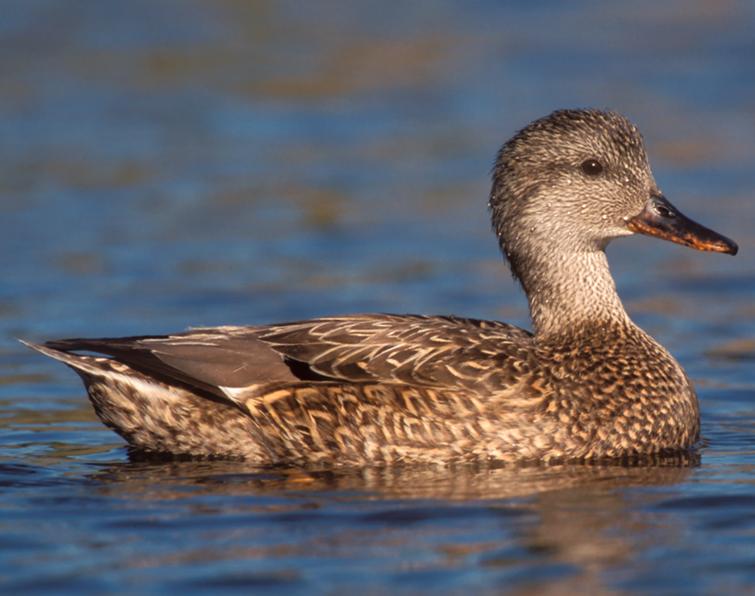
(622, 396)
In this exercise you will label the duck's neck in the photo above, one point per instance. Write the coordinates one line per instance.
(571, 291)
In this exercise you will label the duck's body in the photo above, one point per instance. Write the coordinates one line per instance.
(388, 389)
(382, 389)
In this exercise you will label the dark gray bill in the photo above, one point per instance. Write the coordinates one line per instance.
(660, 218)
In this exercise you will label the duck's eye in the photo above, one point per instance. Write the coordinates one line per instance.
(592, 167)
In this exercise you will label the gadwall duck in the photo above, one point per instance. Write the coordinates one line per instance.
(587, 385)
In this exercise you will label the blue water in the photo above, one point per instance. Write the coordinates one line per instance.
(176, 163)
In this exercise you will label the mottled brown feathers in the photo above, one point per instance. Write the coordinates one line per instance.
(397, 389)
(387, 389)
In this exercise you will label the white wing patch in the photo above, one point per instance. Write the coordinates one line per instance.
(239, 394)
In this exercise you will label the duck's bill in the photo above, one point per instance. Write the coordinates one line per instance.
(660, 218)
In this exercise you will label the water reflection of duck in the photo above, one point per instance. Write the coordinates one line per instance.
(154, 477)
(379, 389)
(589, 523)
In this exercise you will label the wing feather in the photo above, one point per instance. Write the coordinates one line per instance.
(444, 352)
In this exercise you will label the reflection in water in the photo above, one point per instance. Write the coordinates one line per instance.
(412, 482)
(574, 522)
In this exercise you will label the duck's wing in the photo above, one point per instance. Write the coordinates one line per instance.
(406, 349)
(202, 361)
(410, 349)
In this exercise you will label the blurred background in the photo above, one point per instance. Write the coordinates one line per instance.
(173, 163)
(165, 164)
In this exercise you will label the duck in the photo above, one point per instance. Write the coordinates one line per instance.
(585, 385)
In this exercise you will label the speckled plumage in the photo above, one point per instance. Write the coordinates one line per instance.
(385, 389)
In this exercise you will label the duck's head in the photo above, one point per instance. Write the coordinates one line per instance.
(574, 180)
